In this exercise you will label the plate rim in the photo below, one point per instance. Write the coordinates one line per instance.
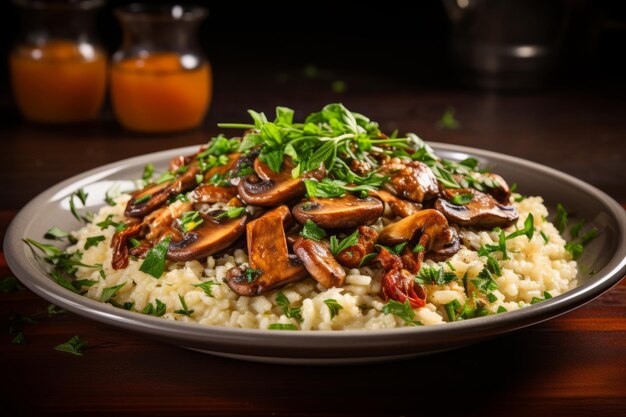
(195, 334)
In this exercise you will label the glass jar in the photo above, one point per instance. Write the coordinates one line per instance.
(58, 71)
(160, 79)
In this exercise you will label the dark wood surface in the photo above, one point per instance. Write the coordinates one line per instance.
(574, 365)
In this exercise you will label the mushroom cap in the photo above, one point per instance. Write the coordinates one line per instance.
(319, 262)
(483, 212)
(213, 194)
(412, 180)
(267, 253)
(399, 207)
(427, 221)
(211, 236)
(273, 192)
(339, 212)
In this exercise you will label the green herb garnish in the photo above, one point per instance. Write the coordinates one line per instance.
(93, 241)
(290, 312)
(110, 292)
(184, 310)
(333, 307)
(54, 233)
(157, 309)
(336, 246)
(561, 218)
(402, 311)
(312, 231)
(74, 346)
(231, 213)
(190, 220)
(154, 263)
(206, 287)
(462, 199)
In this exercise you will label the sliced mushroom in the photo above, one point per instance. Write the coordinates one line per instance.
(352, 256)
(426, 222)
(267, 253)
(222, 169)
(160, 220)
(412, 180)
(119, 243)
(399, 207)
(210, 194)
(319, 262)
(155, 195)
(211, 236)
(267, 174)
(253, 190)
(447, 245)
(483, 212)
(340, 212)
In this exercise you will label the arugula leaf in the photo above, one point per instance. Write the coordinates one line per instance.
(545, 237)
(367, 258)
(206, 287)
(154, 263)
(109, 222)
(418, 248)
(493, 266)
(336, 246)
(333, 307)
(74, 346)
(452, 308)
(312, 231)
(402, 311)
(292, 313)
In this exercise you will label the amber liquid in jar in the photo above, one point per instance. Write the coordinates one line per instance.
(59, 82)
(157, 94)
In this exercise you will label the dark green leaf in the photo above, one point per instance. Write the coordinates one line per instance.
(110, 292)
(401, 310)
(283, 303)
(575, 248)
(367, 258)
(312, 231)
(336, 246)
(333, 307)
(148, 172)
(184, 310)
(206, 287)
(93, 241)
(157, 309)
(589, 236)
(282, 326)
(154, 263)
(74, 346)
(528, 230)
(561, 218)
(190, 220)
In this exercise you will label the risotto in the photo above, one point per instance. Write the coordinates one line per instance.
(322, 225)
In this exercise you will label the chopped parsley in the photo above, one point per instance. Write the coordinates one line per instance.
(252, 274)
(528, 230)
(119, 226)
(418, 248)
(367, 258)
(110, 292)
(143, 199)
(207, 287)
(336, 246)
(282, 326)
(575, 248)
(451, 309)
(190, 220)
(93, 241)
(434, 276)
(402, 311)
(501, 309)
(312, 231)
(290, 312)
(54, 233)
(231, 213)
(462, 199)
(157, 309)
(333, 307)
(184, 310)
(74, 346)
(561, 218)
(148, 172)
(154, 263)
(545, 237)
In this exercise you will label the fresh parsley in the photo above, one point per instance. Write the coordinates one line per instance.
(434, 276)
(157, 309)
(231, 213)
(74, 346)
(462, 199)
(333, 307)
(190, 220)
(207, 287)
(336, 246)
(561, 218)
(93, 241)
(312, 231)
(402, 311)
(184, 310)
(154, 263)
(110, 292)
(290, 312)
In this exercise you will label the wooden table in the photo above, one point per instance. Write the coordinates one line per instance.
(574, 365)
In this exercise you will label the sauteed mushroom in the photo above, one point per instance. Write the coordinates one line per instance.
(269, 259)
(273, 192)
(399, 207)
(410, 180)
(211, 236)
(340, 212)
(483, 211)
(319, 262)
(352, 256)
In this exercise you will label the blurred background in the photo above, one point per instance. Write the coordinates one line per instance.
(519, 76)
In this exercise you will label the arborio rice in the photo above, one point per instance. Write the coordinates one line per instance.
(535, 270)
